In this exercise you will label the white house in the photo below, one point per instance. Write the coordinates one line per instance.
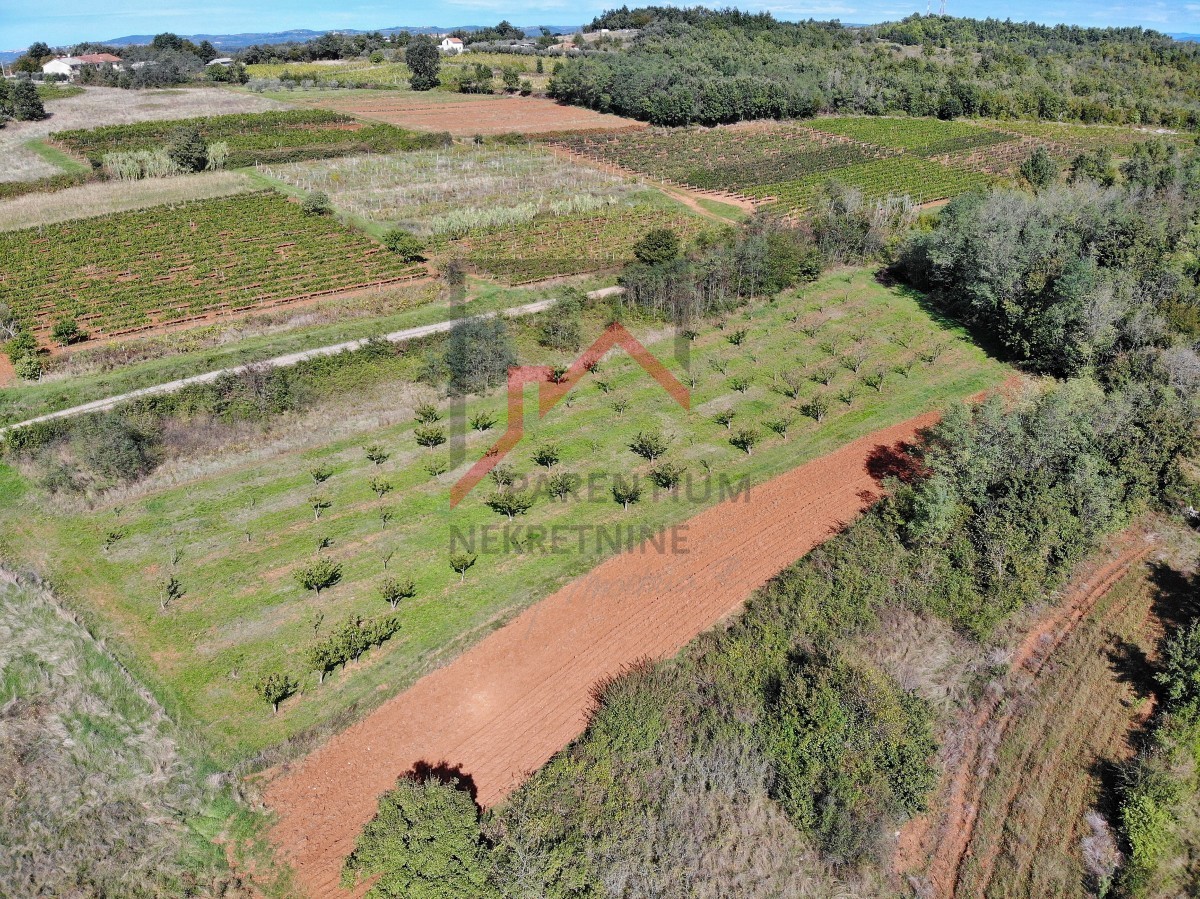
(221, 61)
(70, 65)
(452, 45)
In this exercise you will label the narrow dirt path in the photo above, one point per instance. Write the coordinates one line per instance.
(945, 841)
(277, 362)
(506, 706)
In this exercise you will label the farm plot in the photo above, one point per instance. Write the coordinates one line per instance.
(551, 245)
(785, 164)
(806, 373)
(134, 270)
(465, 115)
(734, 158)
(1091, 137)
(255, 138)
(350, 73)
(450, 191)
(922, 180)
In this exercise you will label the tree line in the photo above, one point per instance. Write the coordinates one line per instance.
(699, 66)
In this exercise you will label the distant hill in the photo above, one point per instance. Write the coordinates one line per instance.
(240, 41)
(1185, 37)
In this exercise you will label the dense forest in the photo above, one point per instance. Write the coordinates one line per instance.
(706, 67)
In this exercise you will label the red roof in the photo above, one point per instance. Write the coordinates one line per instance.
(98, 58)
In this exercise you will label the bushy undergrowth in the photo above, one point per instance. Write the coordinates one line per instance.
(98, 797)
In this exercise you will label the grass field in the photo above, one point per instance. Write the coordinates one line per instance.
(108, 197)
(242, 522)
(138, 269)
(1045, 800)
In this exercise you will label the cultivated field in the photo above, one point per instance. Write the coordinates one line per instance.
(510, 703)
(282, 136)
(235, 529)
(465, 115)
(108, 197)
(454, 190)
(113, 106)
(136, 270)
(783, 165)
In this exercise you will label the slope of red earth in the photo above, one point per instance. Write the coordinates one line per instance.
(952, 852)
(503, 708)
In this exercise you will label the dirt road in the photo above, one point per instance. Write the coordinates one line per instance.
(277, 362)
(506, 706)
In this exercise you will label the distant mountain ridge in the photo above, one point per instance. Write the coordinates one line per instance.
(240, 41)
(1185, 37)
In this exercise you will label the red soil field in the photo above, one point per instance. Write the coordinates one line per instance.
(464, 115)
(503, 708)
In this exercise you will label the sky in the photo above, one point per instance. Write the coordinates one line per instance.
(63, 22)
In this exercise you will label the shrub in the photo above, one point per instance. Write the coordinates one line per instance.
(724, 417)
(321, 473)
(316, 203)
(404, 244)
(483, 421)
(425, 841)
(66, 331)
(546, 455)
(562, 484)
(503, 475)
(381, 487)
(375, 453)
(427, 413)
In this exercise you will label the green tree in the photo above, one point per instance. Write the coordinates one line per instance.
(26, 104)
(396, 590)
(319, 575)
(746, 439)
(422, 58)
(275, 688)
(404, 244)
(649, 444)
(479, 355)
(546, 455)
(429, 436)
(627, 492)
(1039, 170)
(67, 331)
(425, 842)
(427, 413)
(461, 563)
(316, 203)
(660, 245)
(510, 502)
(1179, 670)
(187, 149)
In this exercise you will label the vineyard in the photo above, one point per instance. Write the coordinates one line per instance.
(551, 246)
(134, 270)
(352, 73)
(267, 137)
(1091, 137)
(784, 164)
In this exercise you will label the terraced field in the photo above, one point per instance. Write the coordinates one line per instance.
(135, 270)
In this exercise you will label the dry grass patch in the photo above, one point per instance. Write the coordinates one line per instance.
(106, 197)
(113, 106)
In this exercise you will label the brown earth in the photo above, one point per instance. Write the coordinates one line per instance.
(942, 843)
(464, 115)
(503, 708)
